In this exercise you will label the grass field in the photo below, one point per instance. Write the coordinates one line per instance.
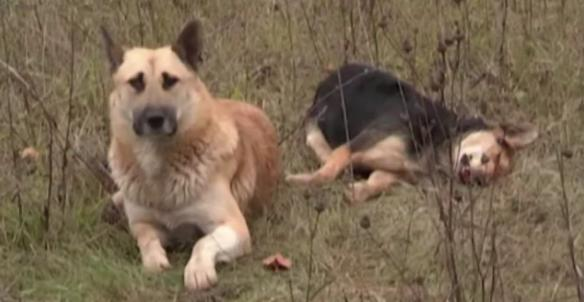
(505, 59)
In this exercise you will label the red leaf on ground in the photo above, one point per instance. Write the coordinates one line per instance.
(277, 262)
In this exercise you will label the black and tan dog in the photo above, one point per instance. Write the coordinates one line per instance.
(368, 119)
(181, 156)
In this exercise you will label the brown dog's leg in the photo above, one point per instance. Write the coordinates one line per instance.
(336, 162)
(227, 238)
(378, 182)
(150, 243)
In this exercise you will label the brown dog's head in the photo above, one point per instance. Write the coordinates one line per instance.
(483, 156)
(157, 93)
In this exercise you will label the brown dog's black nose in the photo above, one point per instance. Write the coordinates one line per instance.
(155, 122)
(151, 120)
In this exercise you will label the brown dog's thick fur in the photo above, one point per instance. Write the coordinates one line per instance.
(180, 156)
(239, 135)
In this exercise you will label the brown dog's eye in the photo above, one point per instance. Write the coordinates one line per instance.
(485, 159)
(137, 82)
(168, 81)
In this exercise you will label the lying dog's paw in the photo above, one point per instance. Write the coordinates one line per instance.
(155, 261)
(300, 179)
(200, 275)
(308, 179)
(357, 193)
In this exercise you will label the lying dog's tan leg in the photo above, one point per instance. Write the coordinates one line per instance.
(336, 162)
(316, 141)
(378, 182)
(150, 243)
(227, 238)
(388, 154)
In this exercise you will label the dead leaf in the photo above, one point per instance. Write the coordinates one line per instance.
(277, 262)
(29, 153)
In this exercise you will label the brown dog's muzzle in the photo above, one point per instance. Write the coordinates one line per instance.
(155, 121)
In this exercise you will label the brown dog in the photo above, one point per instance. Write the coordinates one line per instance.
(181, 156)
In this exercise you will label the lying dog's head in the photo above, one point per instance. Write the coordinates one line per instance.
(157, 92)
(484, 155)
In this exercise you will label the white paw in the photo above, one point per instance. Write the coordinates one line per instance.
(200, 275)
(155, 261)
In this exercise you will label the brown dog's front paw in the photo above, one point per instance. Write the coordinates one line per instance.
(199, 275)
(155, 261)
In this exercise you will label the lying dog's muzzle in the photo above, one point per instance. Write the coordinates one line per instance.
(469, 177)
(151, 120)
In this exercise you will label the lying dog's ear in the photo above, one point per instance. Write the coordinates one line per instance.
(114, 52)
(189, 45)
(517, 136)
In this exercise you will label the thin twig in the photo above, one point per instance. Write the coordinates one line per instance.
(494, 261)
(477, 256)
(565, 209)
(373, 26)
(311, 32)
(288, 19)
(140, 22)
(311, 256)
(447, 218)
(503, 35)
(290, 290)
(62, 194)
(346, 126)
(46, 218)
(15, 163)
(154, 24)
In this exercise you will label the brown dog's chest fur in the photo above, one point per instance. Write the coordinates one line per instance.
(174, 174)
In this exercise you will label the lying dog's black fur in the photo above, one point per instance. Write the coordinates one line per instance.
(377, 104)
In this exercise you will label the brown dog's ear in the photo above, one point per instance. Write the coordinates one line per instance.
(189, 45)
(517, 136)
(114, 52)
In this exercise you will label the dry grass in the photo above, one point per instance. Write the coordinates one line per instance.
(518, 59)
